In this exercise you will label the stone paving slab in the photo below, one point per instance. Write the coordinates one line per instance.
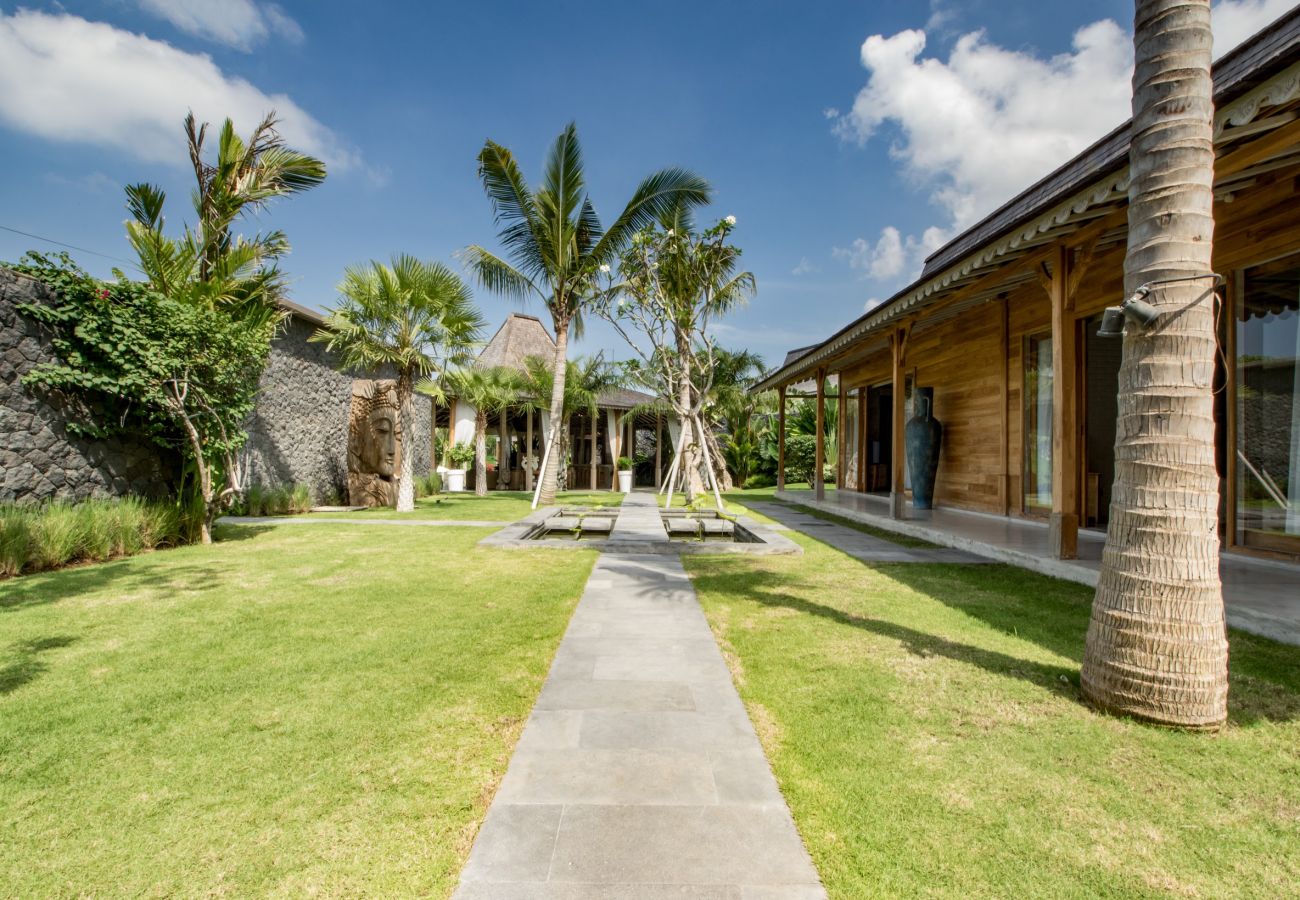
(857, 544)
(638, 774)
(327, 520)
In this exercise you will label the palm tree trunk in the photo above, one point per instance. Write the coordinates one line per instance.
(558, 370)
(405, 473)
(480, 453)
(1157, 647)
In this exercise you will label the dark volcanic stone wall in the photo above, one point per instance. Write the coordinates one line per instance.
(299, 432)
(39, 460)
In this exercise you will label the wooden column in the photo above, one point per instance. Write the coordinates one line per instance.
(451, 424)
(1004, 436)
(819, 486)
(780, 439)
(659, 450)
(898, 452)
(595, 421)
(615, 450)
(840, 444)
(1063, 535)
(528, 452)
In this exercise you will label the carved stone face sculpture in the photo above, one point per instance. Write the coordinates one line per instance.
(379, 447)
(374, 444)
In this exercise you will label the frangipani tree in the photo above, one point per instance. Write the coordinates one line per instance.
(671, 285)
(555, 244)
(489, 391)
(413, 317)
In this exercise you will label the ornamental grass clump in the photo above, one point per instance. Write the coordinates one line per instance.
(34, 538)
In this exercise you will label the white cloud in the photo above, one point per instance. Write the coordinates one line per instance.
(804, 268)
(236, 23)
(101, 85)
(892, 255)
(979, 127)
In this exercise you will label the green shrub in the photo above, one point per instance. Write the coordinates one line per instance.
(761, 480)
(300, 499)
(800, 457)
(427, 485)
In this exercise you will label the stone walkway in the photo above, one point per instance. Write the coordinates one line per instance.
(858, 544)
(638, 774)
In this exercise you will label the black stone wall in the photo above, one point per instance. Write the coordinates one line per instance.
(39, 460)
(297, 434)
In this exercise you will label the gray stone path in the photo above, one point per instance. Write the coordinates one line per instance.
(857, 544)
(638, 774)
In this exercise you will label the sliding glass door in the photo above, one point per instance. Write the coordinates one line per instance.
(1268, 407)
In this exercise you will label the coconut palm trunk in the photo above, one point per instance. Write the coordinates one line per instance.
(1156, 646)
(550, 474)
(480, 452)
(406, 465)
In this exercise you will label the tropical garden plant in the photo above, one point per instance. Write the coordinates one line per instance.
(585, 380)
(488, 390)
(1157, 645)
(554, 245)
(672, 283)
(412, 318)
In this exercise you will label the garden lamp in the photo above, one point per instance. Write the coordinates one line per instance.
(1135, 308)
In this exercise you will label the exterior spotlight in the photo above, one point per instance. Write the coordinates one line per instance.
(1135, 308)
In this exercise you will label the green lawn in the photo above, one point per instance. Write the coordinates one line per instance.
(924, 723)
(497, 506)
(290, 711)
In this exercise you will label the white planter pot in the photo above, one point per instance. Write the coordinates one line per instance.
(455, 481)
(625, 481)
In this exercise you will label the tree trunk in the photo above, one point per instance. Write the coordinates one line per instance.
(480, 453)
(1157, 647)
(558, 370)
(405, 473)
(720, 473)
(689, 468)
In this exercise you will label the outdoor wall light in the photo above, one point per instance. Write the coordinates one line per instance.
(1134, 308)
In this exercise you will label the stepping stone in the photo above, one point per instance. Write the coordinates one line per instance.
(597, 525)
(682, 525)
(718, 526)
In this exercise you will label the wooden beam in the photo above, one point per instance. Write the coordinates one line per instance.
(897, 489)
(1258, 150)
(780, 440)
(595, 420)
(819, 459)
(528, 452)
(1063, 535)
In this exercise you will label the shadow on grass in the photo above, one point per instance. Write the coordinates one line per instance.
(1264, 675)
(27, 664)
(124, 574)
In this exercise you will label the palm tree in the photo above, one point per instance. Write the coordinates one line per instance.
(412, 317)
(207, 264)
(556, 243)
(585, 380)
(488, 391)
(731, 408)
(1157, 644)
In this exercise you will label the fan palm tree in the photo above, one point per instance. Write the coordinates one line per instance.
(208, 264)
(412, 317)
(555, 243)
(489, 391)
(1157, 644)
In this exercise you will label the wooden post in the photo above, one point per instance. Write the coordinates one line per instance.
(595, 421)
(528, 453)
(659, 450)
(819, 486)
(1063, 534)
(840, 425)
(615, 450)
(1004, 438)
(451, 425)
(898, 452)
(780, 440)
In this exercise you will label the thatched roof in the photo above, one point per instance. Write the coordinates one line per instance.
(518, 338)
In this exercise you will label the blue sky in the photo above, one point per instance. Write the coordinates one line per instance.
(845, 149)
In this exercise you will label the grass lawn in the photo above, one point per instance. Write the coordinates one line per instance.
(924, 723)
(497, 506)
(290, 712)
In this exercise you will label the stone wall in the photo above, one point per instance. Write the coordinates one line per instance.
(39, 459)
(299, 432)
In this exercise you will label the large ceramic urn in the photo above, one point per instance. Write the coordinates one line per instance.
(924, 437)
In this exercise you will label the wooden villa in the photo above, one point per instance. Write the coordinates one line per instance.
(1002, 325)
(624, 419)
